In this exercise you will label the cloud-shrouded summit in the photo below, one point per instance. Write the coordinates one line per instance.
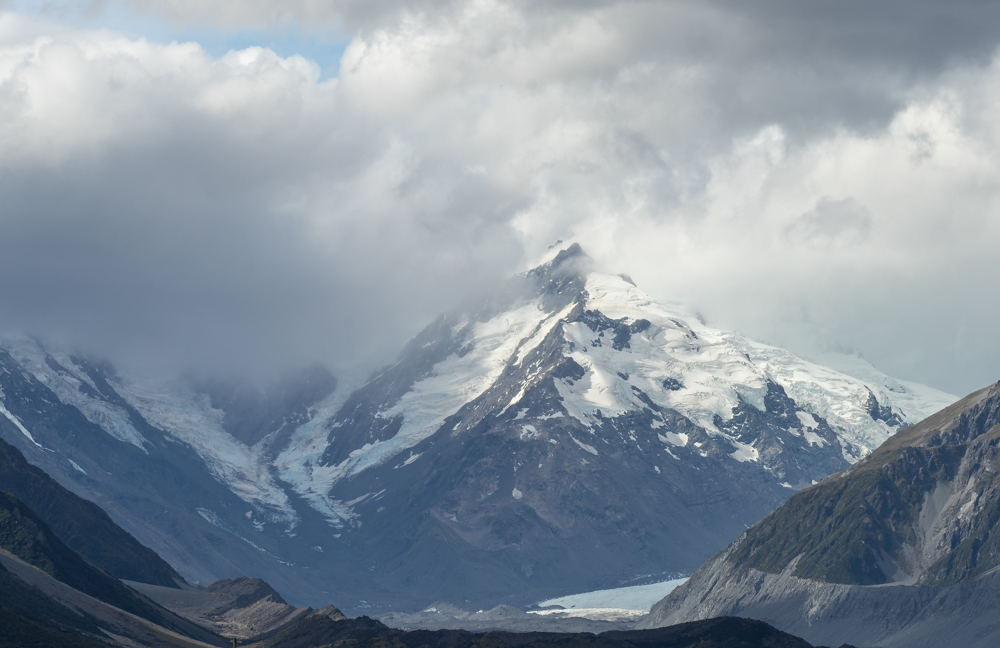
(814, 179)
(491, 461)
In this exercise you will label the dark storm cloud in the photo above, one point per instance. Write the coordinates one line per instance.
(173, 274)
(230, 236)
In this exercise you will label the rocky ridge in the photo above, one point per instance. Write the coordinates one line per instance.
(245, 608)
(901, 549)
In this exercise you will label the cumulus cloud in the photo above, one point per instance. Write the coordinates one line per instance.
(816, 180)
(158, 202)
(882, 243)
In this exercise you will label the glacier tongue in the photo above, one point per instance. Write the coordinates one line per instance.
(190, 418)
(299, 464)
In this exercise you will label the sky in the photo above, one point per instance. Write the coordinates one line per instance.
(247, 187)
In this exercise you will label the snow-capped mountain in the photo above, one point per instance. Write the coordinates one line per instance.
(563, 433)
(604, 353)
(163, 466)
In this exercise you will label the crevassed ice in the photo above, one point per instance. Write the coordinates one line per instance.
(190, 418)
(300, 465)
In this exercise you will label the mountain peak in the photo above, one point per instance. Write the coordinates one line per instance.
(512, 438)
(571, 260)
(574, 251)
(557, 254)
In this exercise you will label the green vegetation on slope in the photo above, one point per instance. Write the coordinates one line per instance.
(82, 525)
(845, 528)
(26, 536)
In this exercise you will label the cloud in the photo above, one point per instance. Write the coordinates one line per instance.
(897, 269)
(168, 207)
(831, 221)
(816, 180)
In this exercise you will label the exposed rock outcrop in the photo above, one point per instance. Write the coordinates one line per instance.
(901, 549)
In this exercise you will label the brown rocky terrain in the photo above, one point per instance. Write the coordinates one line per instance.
(244, 608)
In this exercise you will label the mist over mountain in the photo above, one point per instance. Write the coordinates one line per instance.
(281, 311)
(558, 433)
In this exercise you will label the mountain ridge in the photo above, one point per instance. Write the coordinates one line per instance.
(81, 524)
(897, 546)
(564, 432)
(24, 535)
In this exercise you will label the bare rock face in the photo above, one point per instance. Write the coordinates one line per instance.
(245, 608)
(901, 549)
(330, 612)
(244, 592)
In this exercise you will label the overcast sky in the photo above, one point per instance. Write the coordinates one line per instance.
(246, 187)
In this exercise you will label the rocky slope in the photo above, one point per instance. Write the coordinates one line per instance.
(901, 549)
(50, 595)
(245, 608)
(82, 525)
(562, 433)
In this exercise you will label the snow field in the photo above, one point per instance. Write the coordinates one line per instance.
(112, 419)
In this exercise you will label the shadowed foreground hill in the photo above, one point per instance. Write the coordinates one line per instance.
(363, 632)
(51, 596)
(26, 536)
(901, 549)
(28, 619)
(82, 525)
